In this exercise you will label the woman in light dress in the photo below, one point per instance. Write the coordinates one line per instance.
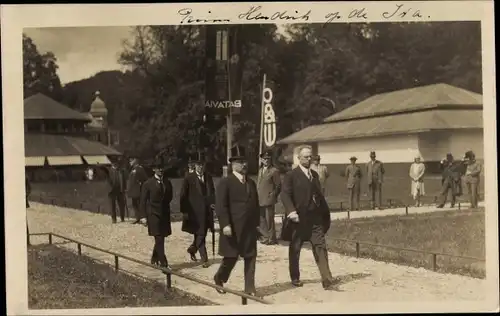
(417, 171)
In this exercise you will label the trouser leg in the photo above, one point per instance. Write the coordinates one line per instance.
(200, 245)
(250, 274)
(112, 203)
(357, 191)
(121, 205)
(351, 199)
(371, 188)
(263, 229)
(160, 250)
(320, 253)
(443, 196)
(137, 211)
(225, 268)
(378, 194)
(271, 227)
(294, 256)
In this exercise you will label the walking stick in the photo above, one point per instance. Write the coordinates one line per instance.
(213, 231)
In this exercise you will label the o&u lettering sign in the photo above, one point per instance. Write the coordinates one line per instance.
(269, 121)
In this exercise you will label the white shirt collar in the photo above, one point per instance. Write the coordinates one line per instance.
(306, 171)
(157, 178)
(238, 175)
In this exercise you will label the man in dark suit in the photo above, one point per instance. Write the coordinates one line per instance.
(353, 175)
(156, 195)
(472, 174)
(268, 188)
(308, 214)
(375, 175)
(237, 208)
(197, 198)
(450, 180)
(135, 180)
(116, 194)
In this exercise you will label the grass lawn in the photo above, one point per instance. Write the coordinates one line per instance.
(459, 233)
(92, 196)
(59, 279)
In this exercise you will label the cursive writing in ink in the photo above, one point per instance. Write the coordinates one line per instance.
(254, 14)
(402, 12)
(332, 16)
(358, 14)
(189, 18)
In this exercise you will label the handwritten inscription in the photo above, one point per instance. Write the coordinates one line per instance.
(401, 11)
(255, 14)
(188, 17)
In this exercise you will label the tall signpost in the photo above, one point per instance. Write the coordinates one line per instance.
(267, 119)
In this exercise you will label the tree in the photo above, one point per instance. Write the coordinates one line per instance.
(39, 72)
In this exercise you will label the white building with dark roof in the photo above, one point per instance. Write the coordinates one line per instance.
(429, 121)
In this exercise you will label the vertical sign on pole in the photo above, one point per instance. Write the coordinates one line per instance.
(268, 119)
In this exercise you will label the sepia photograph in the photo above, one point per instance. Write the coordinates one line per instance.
(267, 159)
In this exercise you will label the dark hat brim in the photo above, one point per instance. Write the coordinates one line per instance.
(237, 158)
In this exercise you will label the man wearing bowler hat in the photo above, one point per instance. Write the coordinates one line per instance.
(237, 208)
(197, 198)
(156, 195)
(353, 175)
(268, 188)
(375, 176)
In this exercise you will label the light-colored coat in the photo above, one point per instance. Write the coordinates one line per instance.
(472, 173)
(375, 172)
(322, 174)
(417, 171)
(268, 186)
(353, 175)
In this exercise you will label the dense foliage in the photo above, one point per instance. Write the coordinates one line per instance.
(315, 70)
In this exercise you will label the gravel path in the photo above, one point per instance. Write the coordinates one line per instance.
(361, 279)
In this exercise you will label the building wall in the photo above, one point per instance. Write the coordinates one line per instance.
(462, 141)
(390, 149)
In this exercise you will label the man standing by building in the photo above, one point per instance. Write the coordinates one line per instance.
(116, 194)
(135, 181)
(268, 188)
(237, 208)
(156, 195)
(308, 214)
(472, 178)
(353, 175)
(321, 170)
(451, 180)
(375, 175)
(197, 198)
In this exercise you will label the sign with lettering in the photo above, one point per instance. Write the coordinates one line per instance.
(268, 129)
(224, 71)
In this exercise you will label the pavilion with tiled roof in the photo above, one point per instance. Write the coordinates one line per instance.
(427, 121)
(55, 135)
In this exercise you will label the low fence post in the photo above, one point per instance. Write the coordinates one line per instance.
(169, 280)
(244, 301)
(406, 209)
(357, 249)
(50, 238)
(341, 206)
(390, 203)
(79, 246)
(116, 263)
(53, 201)
(81, 205)
(459, 207)
(348, 214)
(98, 208)
(434, 262)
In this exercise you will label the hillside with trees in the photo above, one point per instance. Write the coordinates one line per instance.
(159, 104)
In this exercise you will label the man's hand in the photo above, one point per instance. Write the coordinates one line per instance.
(227, 231)
(294, 217)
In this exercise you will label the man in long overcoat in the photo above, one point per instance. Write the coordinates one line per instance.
(309, 217)
(375, 175)
(450, 180)
(268, 188)
(156, 195)
(135, 181)
(197, 198)
(237, 208)
(353, 175)
(117, 186)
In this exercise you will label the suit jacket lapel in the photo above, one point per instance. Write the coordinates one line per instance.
(197, 183)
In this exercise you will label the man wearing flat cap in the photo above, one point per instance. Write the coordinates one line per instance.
(471, 178)
(237, 208)
(375, 177)
(268, 188)
(353, 175)
(450, 180)
(321, 170)
(197, 198)
(156, 195)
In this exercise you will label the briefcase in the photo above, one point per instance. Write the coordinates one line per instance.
(287, 229)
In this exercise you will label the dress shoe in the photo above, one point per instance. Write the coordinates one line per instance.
(206, 264)
(272, 242)
(219, 282)
(297, 283)
(440, 206)
(137, 222)
(164, 266)
(192, 255)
